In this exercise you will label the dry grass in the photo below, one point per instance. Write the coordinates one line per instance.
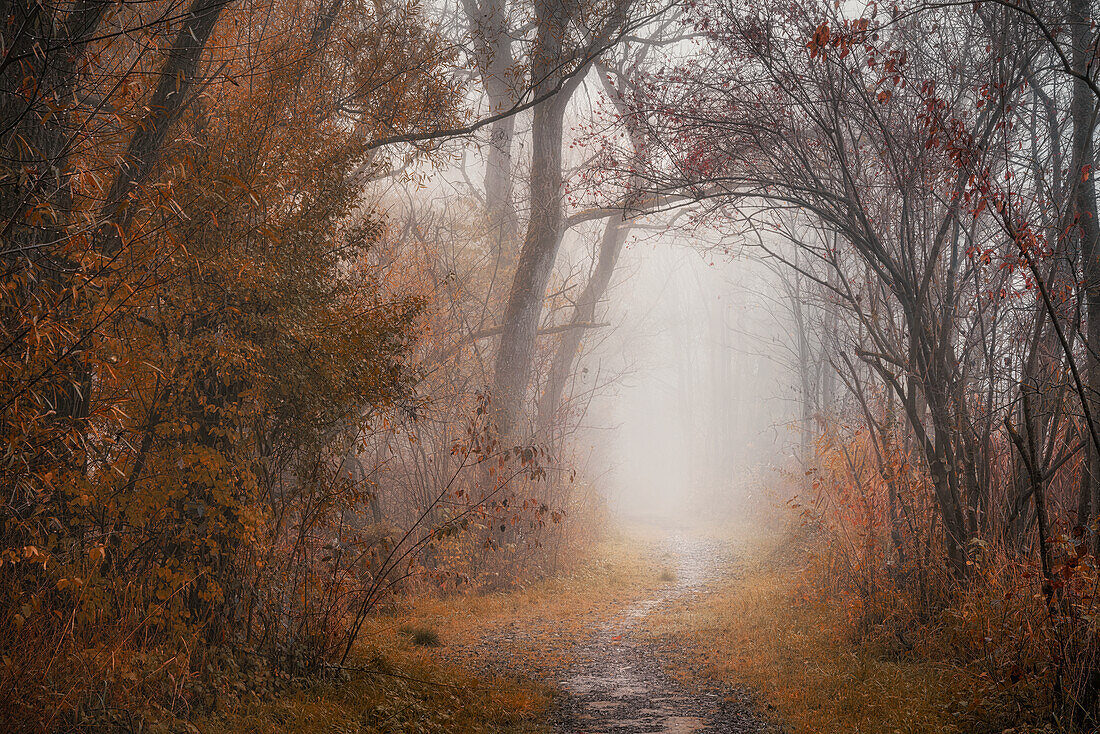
(796, 651)
(407, 692)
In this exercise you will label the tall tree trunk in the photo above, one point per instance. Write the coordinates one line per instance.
(499, 205)
(727, 394)
(805, 364)
(544, 224)
(38, 140)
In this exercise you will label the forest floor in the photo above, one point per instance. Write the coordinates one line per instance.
(663, 630)
(610, 673)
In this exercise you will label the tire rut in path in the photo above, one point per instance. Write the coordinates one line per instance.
(618, 683)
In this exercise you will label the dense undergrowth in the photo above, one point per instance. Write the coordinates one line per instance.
(239, 414)
(1011, 633)
(422, 666)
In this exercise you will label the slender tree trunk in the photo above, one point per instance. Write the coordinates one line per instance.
(805, 365)
(886, 461)
(1083, 203)
(611, 244)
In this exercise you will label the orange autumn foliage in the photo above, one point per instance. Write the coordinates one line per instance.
(185, 370)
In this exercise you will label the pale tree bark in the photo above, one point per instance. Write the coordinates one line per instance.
(806, 366)
(724, 392)
(616, 230)
(540, 248)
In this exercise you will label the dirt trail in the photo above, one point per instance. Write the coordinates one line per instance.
(618, 683)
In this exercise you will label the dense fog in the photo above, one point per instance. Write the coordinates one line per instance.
(699, 402)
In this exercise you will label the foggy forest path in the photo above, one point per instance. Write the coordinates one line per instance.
(618, 682)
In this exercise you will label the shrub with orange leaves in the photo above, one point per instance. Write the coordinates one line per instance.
(879, 553)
